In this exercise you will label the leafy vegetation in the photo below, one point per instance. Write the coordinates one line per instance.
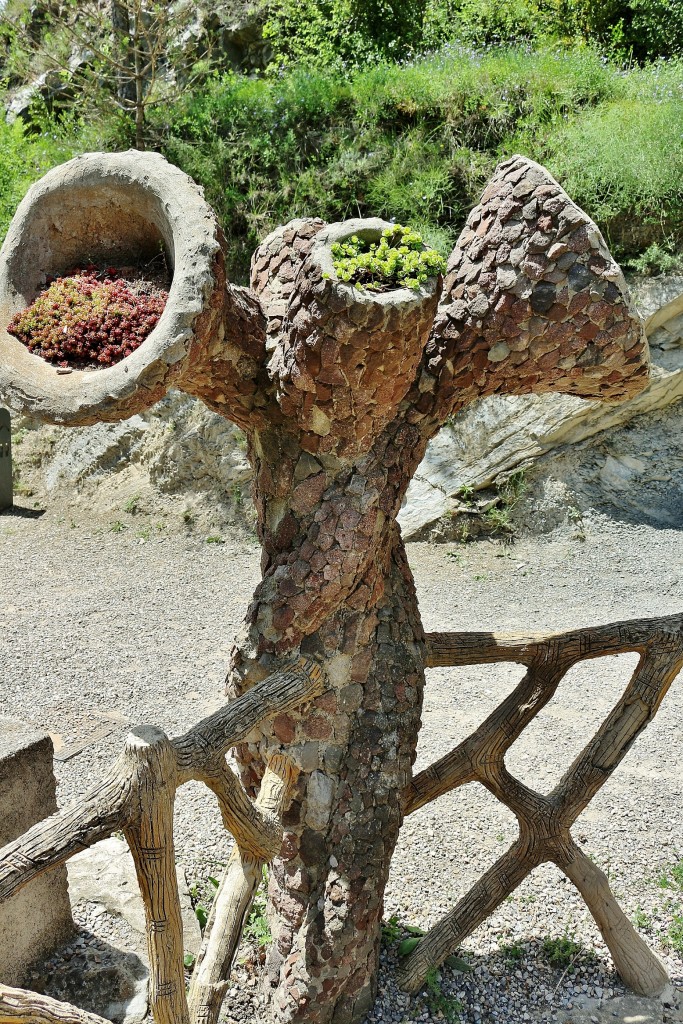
(675, 933)
(402, 109)
(398, 260)
(672, 879)
(257, 928)
(351, 33)
(512, 952)
(391, 931)
(438, 1001)
(561, 951)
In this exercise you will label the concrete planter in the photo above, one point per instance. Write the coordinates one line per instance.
(110, 208)
(350, 353)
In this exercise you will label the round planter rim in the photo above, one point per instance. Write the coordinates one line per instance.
(188, 226)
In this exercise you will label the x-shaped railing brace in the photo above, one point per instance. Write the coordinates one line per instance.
(545, 821)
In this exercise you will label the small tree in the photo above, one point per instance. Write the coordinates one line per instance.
(134, 54)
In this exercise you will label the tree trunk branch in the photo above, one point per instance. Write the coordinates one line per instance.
(276, 694)
(449, 649)
(545, 820)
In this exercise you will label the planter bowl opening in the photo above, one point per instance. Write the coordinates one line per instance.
(132, 212)
(379, 257)
(107, 225)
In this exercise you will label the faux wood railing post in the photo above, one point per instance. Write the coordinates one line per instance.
(150, 837)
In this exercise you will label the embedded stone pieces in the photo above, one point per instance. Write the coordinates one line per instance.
(533, 301)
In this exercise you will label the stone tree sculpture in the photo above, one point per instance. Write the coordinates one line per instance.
(339, 391)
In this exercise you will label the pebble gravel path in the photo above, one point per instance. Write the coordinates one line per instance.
(138, 623)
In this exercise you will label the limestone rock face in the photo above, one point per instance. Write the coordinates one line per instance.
(178, 448)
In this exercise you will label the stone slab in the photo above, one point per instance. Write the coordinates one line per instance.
(38, 919)
(71, 732)
(105, 875)
(628, 1009)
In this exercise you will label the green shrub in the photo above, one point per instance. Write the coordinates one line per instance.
(632, 29)
(25, 157)
(483, 22)
(561, 951)
(623, 162)
(658, 259)
(413, 142)
(14, 176)
(341, 33)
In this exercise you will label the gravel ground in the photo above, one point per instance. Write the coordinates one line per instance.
(140, 622)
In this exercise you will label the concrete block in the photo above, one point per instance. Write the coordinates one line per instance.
(38, 919)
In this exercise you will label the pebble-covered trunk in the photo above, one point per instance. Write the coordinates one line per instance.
(330, 471)
(327, 889)
(357, 382)
(354, 745)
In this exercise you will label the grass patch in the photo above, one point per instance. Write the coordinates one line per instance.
(561, 951)
(257, 928)
(675, 934)
(672, 879)
(413, 142)
(438, 1001)
(641, 920)
(512, 952)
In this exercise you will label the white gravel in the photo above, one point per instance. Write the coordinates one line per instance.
(102, 621)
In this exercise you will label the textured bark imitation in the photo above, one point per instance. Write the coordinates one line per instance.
(236, 891)
(339, 391)
(17, 1006)
(115, 801)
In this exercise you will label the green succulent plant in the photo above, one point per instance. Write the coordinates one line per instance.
(398, 260)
